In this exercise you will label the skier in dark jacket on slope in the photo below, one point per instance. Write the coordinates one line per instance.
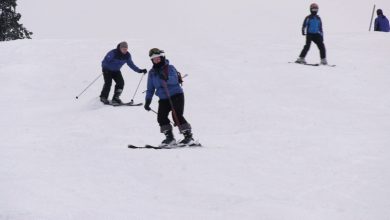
(312, 28)
(381, 22)
(111, 64)
(164, 81)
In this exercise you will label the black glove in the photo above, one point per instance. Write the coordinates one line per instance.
(144, 71)
(303, 32)
(147, 104)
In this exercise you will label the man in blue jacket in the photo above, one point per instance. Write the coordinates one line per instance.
(111, 64)
(312, 28)
(164, 81)
(381, 22)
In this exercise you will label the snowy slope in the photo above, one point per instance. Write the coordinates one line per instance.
(282, 141)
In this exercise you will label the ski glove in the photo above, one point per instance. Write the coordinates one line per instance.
(144, 71)
(147, 104)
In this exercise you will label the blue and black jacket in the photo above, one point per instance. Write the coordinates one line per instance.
(382, 24)
(115, 59)
(159, 78)
(312, 25)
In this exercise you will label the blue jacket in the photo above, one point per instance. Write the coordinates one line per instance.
(115, 59)
(312, 24)
(156, 83)
(382, 24)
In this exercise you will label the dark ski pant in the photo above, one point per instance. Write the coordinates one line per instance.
(164, 107)
(119, 83)
(318, 40)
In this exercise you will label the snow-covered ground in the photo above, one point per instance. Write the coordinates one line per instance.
(282, 141)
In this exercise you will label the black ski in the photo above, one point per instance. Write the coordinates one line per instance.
(144, 147)
(307, 64)
(127, 104)
(148, 146)
(330, 65)
(314, 64)
(310, 64)
(124, 104)
(174, 146)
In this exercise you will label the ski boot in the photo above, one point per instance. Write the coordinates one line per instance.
(169, 139)
(104, 100)
(324, 61)
(301, 60)
(188, 140)
(116, 101)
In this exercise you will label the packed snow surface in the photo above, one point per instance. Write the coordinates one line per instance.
(281, 140)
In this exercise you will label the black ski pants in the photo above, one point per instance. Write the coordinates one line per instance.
(318, 40)
(119, 83)
(164, 107)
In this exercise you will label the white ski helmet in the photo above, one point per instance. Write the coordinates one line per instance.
(155, 52)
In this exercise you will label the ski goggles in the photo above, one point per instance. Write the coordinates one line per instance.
(157, 55)
(155, 52)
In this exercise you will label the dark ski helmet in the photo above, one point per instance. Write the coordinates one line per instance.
(314, 7)
(379, 12)
(155, 52)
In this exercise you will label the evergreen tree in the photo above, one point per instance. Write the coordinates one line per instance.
(10, 29)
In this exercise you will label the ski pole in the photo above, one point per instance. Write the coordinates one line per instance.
(88, 86)
(372, 17)
(155, 112)
(132, 100)
(175, 118)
